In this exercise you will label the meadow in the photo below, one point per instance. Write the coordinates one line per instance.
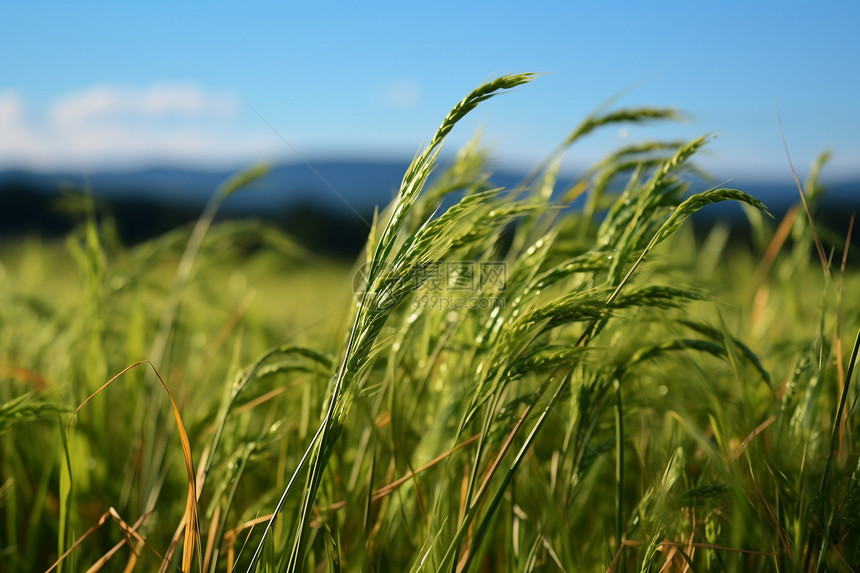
(508, 383)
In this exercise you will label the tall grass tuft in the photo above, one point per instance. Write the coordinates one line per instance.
(557, 376)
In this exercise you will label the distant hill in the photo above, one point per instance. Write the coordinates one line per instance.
(362, 184)
(297, 197)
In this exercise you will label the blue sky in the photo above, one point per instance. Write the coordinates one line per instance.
(95, 84)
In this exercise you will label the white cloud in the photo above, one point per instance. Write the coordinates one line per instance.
(107, 125)
(11, 107)
(18, 139)
(110, 102)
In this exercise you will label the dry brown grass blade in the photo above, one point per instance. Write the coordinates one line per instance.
(80, 540)
(128, 531)
(778, 527)
(230, 326)
(135, 553)
(192, 534)
(818, 246)
(210, 538)
(190, 518)
(102, 387)
(717, 548)
(24, 375)
(774, 247)
(390, 488)
(847, 242)
(837, 334)
(502, 451)
(232, 535)
(262, 399)
(181, 527)
(630, 543)
(464, 493)
(465, 558)
(746, 441)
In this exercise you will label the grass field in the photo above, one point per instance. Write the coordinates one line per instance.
(506, 385)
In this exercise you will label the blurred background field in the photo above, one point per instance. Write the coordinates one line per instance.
(729, 423)
(686, 404)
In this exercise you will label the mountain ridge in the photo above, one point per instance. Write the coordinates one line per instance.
(329, 193)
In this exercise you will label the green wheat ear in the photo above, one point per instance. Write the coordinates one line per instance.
(372, 313)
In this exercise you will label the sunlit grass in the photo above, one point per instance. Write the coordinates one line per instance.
(625, 398)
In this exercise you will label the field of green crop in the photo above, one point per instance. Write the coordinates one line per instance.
(507, 384)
